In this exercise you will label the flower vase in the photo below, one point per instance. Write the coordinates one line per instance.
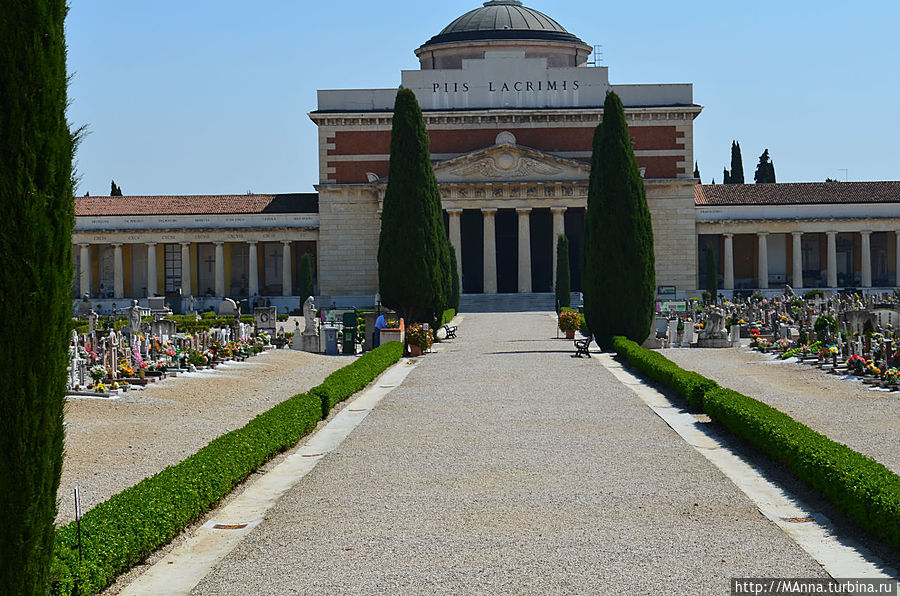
(570, 334)
(415, 350)
(142, 373)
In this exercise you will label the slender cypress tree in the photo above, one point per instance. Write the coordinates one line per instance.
(563, 275)
(712, 274)
(619, 277)
(765, 169)
(697, 172)
(737, 165)
(35, 285)
(114, 189)
(454, 280)
(413, 251)
(306, 278)
(726, 178)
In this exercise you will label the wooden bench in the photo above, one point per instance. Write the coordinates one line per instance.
(450, 331)
(581, 347)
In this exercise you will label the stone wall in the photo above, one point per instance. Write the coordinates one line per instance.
(348, 241)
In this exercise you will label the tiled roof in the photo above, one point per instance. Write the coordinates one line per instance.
(797, 193)
(197, 204)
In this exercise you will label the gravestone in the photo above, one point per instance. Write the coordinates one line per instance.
(164, 329)
(673, 333)
(309, 341)
(228, 307)
(735, 335)
(688, 337)
(84, 307)
(714, 334)
(265, 317)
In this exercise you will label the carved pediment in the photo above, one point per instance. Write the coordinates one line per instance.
(510, 163)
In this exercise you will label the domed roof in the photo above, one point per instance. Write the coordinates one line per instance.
(503, 19)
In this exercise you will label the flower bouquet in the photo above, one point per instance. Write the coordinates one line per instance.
(856, 364)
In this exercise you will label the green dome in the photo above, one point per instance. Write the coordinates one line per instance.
(503, 19)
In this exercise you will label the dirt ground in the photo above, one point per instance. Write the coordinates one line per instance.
(112, 444)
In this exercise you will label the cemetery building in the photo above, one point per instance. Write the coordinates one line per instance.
(511, 102)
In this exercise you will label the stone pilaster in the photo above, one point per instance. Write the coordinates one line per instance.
(253, 270)
(220, 269)
(456, 239)
(729, 262)
(286, 281)
(866, 261)
(151, 269)
(797, 258)
(490, 251)
(186, 269)
(763, 264)
(118, 272)
(559, 228)
(524, 214)
(832, 259)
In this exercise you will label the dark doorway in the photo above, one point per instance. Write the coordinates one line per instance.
(472, 232)
(541, 251)
(507, 231)
(575, 234)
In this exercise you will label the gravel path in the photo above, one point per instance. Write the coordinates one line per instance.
(844, 410)
(114, 444)
(503, 465)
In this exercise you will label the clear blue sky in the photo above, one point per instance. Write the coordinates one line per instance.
(197, 97)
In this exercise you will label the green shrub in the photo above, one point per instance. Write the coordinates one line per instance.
(125, 529)
(857, 485)
(346, 381)
(688, 384)
(447, 316)
(811, 294)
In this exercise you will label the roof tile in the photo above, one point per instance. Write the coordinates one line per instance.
(796, 193)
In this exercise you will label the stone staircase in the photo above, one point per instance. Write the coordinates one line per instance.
(509, 302)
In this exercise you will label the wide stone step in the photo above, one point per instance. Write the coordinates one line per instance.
(507, 302)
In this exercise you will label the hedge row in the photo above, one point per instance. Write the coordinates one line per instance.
(856, 484)
(125, 529)
(447, 316)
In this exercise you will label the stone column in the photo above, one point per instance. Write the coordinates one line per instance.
(866, 260)
(286, 282)
(85, 263)
(763, 264)
(118, 272)
(456, 239)
(490, 251)
(832, 259)
(728, 282)
(559, 227)
(253, 271)
(151, 269)
(220, 269)
(524, 214)
(897, 258)
(797, 258)
(186, 269)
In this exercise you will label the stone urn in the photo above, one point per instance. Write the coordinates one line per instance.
(415, 350)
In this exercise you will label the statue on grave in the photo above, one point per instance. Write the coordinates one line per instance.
(715, 325)
(309, 314)
(134, 317)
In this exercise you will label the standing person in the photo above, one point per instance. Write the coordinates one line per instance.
(380, 323)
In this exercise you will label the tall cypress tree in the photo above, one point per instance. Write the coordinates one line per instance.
(563, 275)
(697, 172)
(114, 189)
(736, 175)
(306, 278)
(619, 278)
(765, 169)
(726, 179)
(35, 285)
(413, 252)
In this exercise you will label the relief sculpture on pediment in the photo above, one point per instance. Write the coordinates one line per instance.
(505, 165)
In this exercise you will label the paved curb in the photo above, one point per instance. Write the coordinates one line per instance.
(186, 565)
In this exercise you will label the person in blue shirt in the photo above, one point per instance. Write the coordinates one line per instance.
(380, 323)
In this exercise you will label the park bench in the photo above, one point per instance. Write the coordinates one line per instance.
(581, 347)
(450, 331)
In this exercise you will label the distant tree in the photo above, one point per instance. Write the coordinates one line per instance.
(765, 169)
(619, 277)
(712, 274)
(831, 180)
(563, 275)
(413, 251)
(114, 191)
(454, 281)
(726, 177)
(306, 278)
(697, 172)
(736, 175)
(36, 198)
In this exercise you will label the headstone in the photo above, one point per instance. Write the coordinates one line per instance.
(228, 307)
(163, 329)
(688, 337)
(309, 316)
(662, 325)
(84, 307)
(265, 317)
(673, 333)
(735, 335)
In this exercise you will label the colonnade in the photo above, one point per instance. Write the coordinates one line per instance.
(797, 264)
(490, 252)
(186, 286)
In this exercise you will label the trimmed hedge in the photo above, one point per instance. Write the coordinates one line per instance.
(447, 316)
(688, 384)
(858, 485)
(346, 381)
(125, 529)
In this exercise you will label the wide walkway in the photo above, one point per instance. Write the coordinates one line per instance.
(503, 465)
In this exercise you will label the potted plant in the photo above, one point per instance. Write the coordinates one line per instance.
(569, 323)
(419, 339)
